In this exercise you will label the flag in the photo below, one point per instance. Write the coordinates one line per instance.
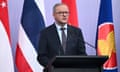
(32, 22)
(105, 36)
(73, 19)
(6, 58)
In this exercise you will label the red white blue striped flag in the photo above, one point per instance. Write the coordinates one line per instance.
(32, 22)
(105, 36)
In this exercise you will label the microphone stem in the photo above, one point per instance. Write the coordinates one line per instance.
(90, 45)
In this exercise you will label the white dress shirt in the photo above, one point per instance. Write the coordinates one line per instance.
(60, 31)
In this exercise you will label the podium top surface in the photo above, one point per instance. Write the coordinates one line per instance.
(79, 61)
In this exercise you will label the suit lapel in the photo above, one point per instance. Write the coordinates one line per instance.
(68, 37)
(57, 40)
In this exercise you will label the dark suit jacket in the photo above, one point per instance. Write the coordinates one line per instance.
(50, 45)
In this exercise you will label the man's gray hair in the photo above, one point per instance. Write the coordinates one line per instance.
(57, 4)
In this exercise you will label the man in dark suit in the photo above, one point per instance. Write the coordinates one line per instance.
(60, 38)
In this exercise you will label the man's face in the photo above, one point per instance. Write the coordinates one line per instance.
(61, 14)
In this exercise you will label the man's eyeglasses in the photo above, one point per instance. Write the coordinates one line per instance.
(63, 13)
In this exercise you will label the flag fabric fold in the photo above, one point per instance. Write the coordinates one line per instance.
(32, 22)
(105, 36)
(73, 19)
(6, 58)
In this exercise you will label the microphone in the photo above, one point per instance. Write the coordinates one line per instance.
(73, 34)
(89, 44)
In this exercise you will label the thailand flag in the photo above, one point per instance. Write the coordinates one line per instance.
(32, 22)
(6, 58)
(105, 36)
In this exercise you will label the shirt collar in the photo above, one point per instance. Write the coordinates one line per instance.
(59, 27)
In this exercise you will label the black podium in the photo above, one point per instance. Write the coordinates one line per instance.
(78, 63)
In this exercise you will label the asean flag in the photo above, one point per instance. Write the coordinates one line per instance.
(6, 58)
(105, 36)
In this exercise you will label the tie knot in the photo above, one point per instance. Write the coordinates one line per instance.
(62, 28)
